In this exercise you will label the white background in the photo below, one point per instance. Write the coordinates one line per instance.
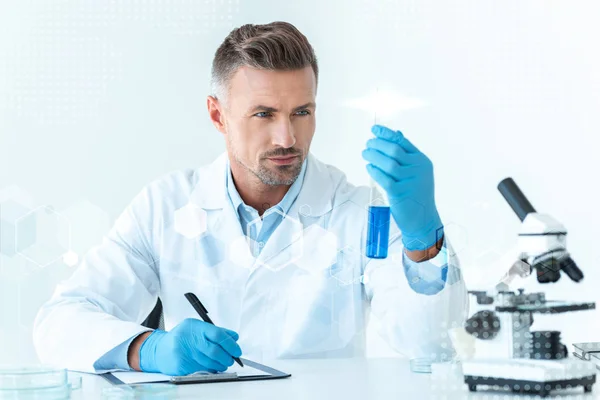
(97, 98)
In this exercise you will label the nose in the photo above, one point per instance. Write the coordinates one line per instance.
(283, 135)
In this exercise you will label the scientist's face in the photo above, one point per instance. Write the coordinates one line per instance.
(269, 122)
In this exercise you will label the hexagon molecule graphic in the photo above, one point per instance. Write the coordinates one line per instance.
(458, 237)
(279, 254)
(88, 224)
(12, 239)
(217, 255)
(397, 256)
(347, 269)
(51, 231)
(190, 221)
(70, 258)
(319, 249)
(239, 252)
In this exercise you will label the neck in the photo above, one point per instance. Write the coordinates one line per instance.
(253, 192)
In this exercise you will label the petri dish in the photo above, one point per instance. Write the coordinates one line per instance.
(31, 377)
(421, 365)
(41, 393)
(75, 382)
(155, 391)
(150, 391)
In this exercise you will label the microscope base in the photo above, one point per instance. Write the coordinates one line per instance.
(531, 387)
(530, 376)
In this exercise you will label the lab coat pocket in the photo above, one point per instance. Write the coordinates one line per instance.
(348, 266)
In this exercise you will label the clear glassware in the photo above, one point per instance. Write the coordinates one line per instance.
(34, 382)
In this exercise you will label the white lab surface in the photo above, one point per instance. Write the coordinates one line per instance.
(316, 379)
(358, 378)
(287, 303)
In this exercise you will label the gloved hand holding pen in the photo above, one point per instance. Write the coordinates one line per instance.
(191, 346)
(406, 174)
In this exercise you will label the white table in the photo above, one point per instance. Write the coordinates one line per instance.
(347, 379)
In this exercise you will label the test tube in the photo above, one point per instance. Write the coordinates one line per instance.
(378, 229)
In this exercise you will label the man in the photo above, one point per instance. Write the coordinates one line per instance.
(270, 239)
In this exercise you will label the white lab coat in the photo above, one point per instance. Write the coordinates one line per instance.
(287, 303)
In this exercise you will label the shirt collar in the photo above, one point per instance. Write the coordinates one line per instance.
(284, 205)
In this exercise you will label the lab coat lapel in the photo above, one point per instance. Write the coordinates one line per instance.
(210, 193)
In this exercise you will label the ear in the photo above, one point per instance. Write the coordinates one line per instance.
(215, 113)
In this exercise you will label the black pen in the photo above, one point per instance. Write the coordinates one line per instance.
(203, 312)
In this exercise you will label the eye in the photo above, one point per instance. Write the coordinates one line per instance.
(262, 114)
(307, 112)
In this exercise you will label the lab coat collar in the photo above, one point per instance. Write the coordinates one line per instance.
(285, 203)
(315, 198)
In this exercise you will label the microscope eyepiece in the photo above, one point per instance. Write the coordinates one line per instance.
(568, 265)
(515, 198)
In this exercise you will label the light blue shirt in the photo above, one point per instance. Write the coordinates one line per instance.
(259, 229)
(424, 277)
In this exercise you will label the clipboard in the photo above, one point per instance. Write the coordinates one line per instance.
(210, 378)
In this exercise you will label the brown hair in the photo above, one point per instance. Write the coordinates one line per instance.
(275, 46)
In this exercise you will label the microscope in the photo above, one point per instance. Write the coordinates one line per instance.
(507, 354)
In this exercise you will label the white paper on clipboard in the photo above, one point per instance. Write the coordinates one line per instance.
(131, 377)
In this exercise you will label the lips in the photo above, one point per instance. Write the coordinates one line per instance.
(283, 160)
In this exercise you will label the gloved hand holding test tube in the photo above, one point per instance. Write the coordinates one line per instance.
(406, 176)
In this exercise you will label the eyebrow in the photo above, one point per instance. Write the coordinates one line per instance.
(271, 109)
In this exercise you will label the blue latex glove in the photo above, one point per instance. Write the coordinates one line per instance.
(191, 346)
(406, 175)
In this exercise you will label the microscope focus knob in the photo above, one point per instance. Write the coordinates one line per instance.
(546, 345)
(483, 325)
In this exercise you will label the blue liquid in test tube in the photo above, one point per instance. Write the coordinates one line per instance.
(378, 230)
